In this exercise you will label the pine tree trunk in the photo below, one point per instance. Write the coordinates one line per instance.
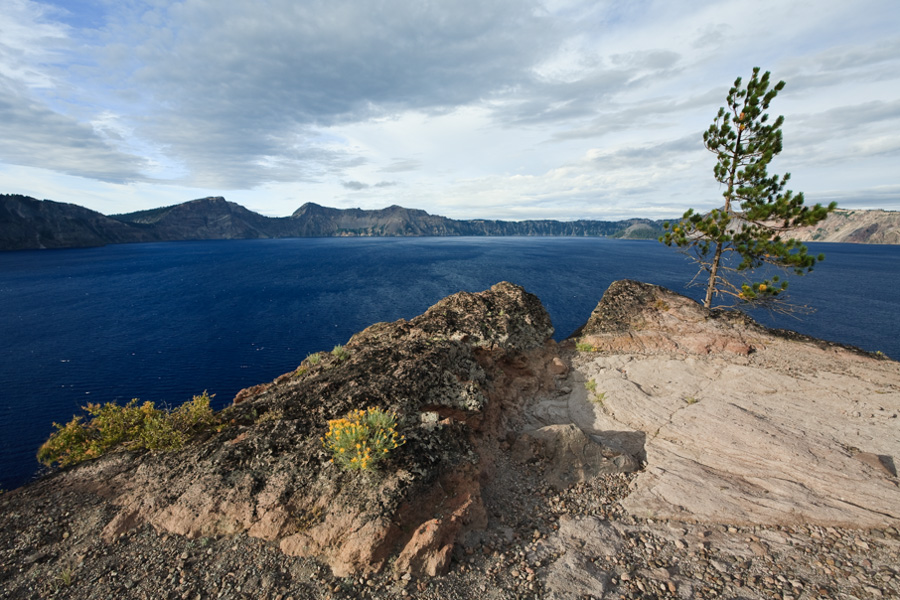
(713, 273)
(714, 268)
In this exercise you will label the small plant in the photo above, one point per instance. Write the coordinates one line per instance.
(584, 347)
(272, 415)
(362, 438)
(596, 397)
(314, 358)
(691, 400)
(340, 353)
(129, 427)
(65, 577)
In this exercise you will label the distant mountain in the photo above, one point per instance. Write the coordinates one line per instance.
(319, 221)
(27, 223)
(211, 218)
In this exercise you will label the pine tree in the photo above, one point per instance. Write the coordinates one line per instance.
(750, 230)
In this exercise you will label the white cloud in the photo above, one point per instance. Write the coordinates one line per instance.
(476, 108)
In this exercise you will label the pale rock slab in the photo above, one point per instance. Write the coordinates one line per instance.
(795, 431)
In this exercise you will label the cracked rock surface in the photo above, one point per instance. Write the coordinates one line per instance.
(740, 424)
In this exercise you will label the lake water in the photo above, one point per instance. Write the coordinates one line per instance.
(163, 322)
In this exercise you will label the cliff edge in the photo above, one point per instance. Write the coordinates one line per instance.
(668, 448)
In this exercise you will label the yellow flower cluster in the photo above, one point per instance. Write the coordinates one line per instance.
(362, 438)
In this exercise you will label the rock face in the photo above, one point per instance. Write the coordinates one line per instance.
(456, 376)
(855, 226)
(741, 424)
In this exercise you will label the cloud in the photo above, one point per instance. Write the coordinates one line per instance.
(844, 135)
(849, 118)
(544, 108)
(358, 185)
(234, 96)
(884, 197)
(651, 179)
(34, 135)
(842, 64)
(653, 112)
(355, 185)
(401, 165)
(230, 83)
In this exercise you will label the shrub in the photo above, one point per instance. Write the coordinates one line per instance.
(129, 427)
(584, 347)
(314, 358)
(340, 353)
(362, 438)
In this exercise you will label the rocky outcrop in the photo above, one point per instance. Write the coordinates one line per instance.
(531, 470)
(740, 424)
(455, 376)
(639, 317)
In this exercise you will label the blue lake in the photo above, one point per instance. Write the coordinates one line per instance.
(163, 322)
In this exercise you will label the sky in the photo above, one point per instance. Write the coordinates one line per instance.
(505, 109)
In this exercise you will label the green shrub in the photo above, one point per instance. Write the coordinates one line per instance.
(362, 438)
(584, 347)
(130, 427)
(340, 353)
(314, 359)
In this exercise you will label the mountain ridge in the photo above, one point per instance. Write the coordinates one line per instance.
(27, 223)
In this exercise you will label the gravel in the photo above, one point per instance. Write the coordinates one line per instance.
(51, 549)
